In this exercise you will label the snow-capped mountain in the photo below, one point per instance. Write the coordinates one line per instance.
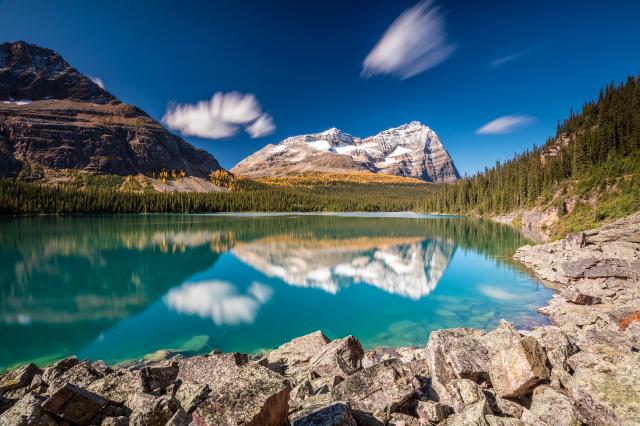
(409, 269)
(412, 150)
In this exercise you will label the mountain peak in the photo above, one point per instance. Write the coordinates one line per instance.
(31, 72)
(332, 131)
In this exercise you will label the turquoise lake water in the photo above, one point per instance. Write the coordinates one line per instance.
(118, 288)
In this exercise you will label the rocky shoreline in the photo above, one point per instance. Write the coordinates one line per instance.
(582, 370)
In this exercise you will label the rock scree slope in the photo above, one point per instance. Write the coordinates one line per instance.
(54, 117)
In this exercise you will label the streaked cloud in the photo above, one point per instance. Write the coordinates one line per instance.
(514, 52)
(505, 124)
(224, 115)
(219, 300)
(98, 81)
(415, 42)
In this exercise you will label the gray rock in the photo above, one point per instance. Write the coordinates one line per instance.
(75, 405)
(27, 412)
(574, 241)
(607, 393)
(293, 355)
(189, 395)
(399, 419)
(340, 357)
(472, 415)
(461, 393)
(336, 414)
(378, 355)
(432, 411)
(158, 376)
(240, 394)
(553, 407)
(517, 364)
(503, 406)
(379, 389)
(57, 369)
(555, 344)
(502, 421)
(571, 294)
(577, 268)
(456, 353)
(81, 375)
(148, 410)
(19, 378)
(117, 386)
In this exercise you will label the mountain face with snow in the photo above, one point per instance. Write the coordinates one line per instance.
(411, 150)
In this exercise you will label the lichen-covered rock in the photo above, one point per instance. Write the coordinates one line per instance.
(379, 389)
(432, 411)
(471, 415)
(502, 421)
(291, 356)
(81, 375)
(553, 407)
(148, 410)
(335, 414)
(456, 353)
(340, 357)
(75, 405)
(503, 406)
(117, 386)
(517, 364)
(158, 376)
(203, 369)
(555, 344)
(188, 395)
(19, 378)
(399, 419)
(27, 412)
(116, 421)
(57, 369)
(248, 394)
(179, 418)
(573, 295)
(607, 393)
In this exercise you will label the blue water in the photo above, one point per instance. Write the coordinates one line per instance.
(118, 288)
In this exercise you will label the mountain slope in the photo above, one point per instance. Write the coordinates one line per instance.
(411, 150)
(52, 117)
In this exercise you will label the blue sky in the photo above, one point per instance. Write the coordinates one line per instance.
(312, 65)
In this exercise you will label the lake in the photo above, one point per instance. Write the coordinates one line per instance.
(120, 287)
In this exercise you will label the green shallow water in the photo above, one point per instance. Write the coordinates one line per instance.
(119, 287)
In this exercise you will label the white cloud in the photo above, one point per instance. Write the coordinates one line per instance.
(222, 116)
(505, 124)
(415, 42)
(219, 300)
(98, 81)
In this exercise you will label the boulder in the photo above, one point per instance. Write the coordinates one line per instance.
(456, 353)
(75, 405)
(553, 407)
(517, 364)
(19, 378)
(574, 241)
(148, 410)
(340, 357)
(27, 412)
(379, 389)
(203, 369)
(432, 411)
(158, 376)
(57, 369)
(502, 421)
(116, 421)
(189, 394)
(607, 393)
(556, 345)
(503, 406)
(291, 356)
(571, 294)
(461, 393)
(472, 415)
(335, 414)
(248, 394)
(378, 355)
(81, 374)
(117, 386)
(399, 419)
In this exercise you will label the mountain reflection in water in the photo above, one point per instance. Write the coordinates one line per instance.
(119, 287)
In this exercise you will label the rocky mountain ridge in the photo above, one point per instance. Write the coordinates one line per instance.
(411, 150)
(52, 117)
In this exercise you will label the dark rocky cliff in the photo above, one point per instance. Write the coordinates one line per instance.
(54, 117)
